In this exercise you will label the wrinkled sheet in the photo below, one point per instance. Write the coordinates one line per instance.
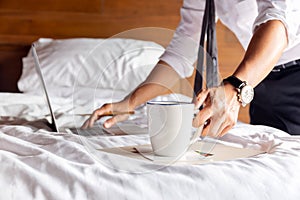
(39, 164)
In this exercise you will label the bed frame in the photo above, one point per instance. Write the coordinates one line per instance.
(22, 22)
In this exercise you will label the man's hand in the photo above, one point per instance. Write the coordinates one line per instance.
(220, 110)
(119, 111)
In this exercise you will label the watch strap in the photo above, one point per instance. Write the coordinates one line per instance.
(236, 82)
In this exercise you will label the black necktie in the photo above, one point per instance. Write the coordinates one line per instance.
(208, 30)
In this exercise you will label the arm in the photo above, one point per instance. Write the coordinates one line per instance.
(275, 29)
(176, 63)
(259, 59)
(262, 55)
(159, 82)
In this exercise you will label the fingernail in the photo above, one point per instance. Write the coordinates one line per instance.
(106, 125)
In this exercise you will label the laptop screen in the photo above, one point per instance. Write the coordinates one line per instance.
(52, 124)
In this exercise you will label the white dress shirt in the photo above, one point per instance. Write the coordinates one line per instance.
(241, 17)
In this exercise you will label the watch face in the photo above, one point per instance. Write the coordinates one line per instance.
(247, 94)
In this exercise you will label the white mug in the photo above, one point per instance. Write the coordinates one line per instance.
(170, 127)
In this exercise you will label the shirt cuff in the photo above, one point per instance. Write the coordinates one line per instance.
(275, 14)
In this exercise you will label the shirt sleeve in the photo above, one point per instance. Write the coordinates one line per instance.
(287, 11)
(182, 51)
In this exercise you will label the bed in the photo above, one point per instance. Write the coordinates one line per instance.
(37, 163)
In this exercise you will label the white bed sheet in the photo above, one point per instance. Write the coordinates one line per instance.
(38, 164)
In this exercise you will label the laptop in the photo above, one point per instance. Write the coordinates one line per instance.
(126, 128)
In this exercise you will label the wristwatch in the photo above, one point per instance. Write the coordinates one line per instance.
(245, 91)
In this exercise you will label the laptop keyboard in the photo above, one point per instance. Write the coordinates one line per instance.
(123, 129)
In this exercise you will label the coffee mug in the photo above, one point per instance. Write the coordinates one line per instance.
(170, 127)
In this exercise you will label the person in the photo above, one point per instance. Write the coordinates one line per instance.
(269, 30)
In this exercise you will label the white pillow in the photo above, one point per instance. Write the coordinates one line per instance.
(117, 64)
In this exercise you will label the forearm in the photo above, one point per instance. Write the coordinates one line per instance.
(263, 52)
(159, 82)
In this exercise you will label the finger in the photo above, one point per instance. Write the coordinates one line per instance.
(225, 130)
(226, 126)
(209, 130)
(201, 97)
(216, 124)
(90, 121)
(205, 129)
(202, 116)
(230, 120)
(96, 115)
(111, 121)
(220, 126)
(85, 124)
(221, 129)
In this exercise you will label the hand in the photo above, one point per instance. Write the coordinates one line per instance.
(110, 109)
(220, 112)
